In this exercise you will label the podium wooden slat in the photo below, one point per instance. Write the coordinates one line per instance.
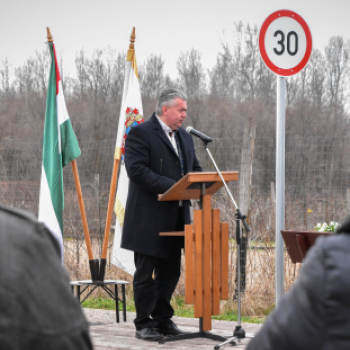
(173, 233)
(207, 239)
(224, 260)
(198, 303)
(189, 264)
(216, 282)
(213, 177)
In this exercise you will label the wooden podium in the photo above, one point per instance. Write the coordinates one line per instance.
(206, 249)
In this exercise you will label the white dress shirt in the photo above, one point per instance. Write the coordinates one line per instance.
(169, 132)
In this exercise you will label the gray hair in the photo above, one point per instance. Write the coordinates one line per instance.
(167, 98)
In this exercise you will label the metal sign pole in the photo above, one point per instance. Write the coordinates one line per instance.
(280, 184)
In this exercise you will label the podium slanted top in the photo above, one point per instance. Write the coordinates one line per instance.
(298, 242)
(190, 186)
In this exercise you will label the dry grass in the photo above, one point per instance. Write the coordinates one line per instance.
(258, 299)
(76, 262)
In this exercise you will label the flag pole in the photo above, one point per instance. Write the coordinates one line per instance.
(112, 193)
(94, 263)
(109, 213)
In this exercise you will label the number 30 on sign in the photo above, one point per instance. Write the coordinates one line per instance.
(285, 42)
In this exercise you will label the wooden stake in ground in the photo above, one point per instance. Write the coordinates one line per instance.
(94, 268)
(112, 193)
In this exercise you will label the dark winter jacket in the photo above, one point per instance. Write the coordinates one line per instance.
(315, 313)
(37, 308)
(153, 167)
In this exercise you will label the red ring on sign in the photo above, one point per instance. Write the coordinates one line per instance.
(268, 62)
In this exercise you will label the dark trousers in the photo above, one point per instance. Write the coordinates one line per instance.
(155, 280)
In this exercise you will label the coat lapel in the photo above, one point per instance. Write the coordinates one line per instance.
(160, 133)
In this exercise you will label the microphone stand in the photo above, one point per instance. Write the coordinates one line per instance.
(239, 333)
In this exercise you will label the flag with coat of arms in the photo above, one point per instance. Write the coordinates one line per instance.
(131, 114)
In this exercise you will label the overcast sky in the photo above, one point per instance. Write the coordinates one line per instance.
(163, 27)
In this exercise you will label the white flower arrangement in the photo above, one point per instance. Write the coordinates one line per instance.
(331, 227)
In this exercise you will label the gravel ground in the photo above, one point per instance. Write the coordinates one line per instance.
(106, 334)
(97, 317)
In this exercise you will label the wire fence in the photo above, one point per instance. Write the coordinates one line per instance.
(317, 190)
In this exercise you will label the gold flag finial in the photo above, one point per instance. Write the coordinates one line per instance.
(132, 39)
(49, 36)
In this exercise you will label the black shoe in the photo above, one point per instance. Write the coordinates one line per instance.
(148, 334)
(170, 329)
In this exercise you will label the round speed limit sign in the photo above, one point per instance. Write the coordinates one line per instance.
(285, 42)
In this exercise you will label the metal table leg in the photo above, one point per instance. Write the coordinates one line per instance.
(124, 302)
(116, 302)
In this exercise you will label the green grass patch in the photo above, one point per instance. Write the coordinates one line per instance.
(180, 307)
(232, 316)
(187, 310)
(106, 304)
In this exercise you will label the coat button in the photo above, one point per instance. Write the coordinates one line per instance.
(177, 162)
(173, 208)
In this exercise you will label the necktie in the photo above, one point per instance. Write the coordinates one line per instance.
(180, 154)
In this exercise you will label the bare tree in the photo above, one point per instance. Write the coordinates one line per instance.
(117, 78)
(191, 73)
(5, 79)
(317, 78)
(80, 69)
(222, 76)
(337, 65)
(41, 70)
(152, 76)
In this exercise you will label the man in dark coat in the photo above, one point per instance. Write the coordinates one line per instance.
(315, 313)
(37, 308)
(158, 153)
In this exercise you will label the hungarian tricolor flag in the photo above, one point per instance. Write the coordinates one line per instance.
(131, 114)
(60, 147)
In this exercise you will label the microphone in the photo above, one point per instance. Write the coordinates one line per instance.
(202, 136)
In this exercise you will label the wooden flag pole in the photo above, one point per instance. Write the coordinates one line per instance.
(111, 201)
(49, 36)
(112, 194)
(94, 263)
(82, 209)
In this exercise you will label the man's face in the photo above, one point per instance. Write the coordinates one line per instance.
(173, 116)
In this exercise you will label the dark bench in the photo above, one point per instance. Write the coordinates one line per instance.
(82, 286)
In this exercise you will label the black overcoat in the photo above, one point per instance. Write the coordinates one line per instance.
(153, 167)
